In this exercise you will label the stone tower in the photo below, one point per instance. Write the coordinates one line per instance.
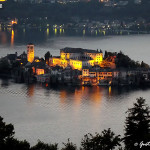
(30, 52)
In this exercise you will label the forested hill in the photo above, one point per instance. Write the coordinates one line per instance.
(64, 12)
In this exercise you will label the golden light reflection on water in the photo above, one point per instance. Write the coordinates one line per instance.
(81, 95)
(30, 91)
(55, 31)
(47, 31)
(60, 30)
(104, 33)
(84, 32)
(12, 37)
(96, 96)
(96, 32)
(78, 94)
(3, 37)
(63, 96)
(24, 30)
(110, 92)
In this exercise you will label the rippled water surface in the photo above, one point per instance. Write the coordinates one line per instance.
(56, 114)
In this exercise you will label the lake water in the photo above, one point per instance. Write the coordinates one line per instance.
(56, 114)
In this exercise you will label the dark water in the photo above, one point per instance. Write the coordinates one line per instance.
(56, 114)
(136, 46)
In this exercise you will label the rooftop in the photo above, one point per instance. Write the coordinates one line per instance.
(78, 50)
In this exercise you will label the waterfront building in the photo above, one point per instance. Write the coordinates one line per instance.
(39, 68)
(77, 58)
(96, 76)
(30, 52)
(43, 78)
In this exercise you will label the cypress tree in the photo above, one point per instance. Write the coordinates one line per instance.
(137, 125)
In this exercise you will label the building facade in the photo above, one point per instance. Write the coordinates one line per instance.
(77, 58)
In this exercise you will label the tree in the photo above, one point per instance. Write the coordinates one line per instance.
(104, 141)
(6, 132)
(144, 65)
(137, 125)
(7, 141)
(69, 146)
(4, 66)
(14, 144)
(105, 55)
(43, 146)
(47, 56)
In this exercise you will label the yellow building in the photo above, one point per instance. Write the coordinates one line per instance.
(76, 64)
(96, 76)
(77, 58)
(30, 52)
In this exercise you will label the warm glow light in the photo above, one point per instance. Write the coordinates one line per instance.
(12, 37)
(37, 60)
(96, 32)
(46, 84)
(104, 32)
(55, 30)
(84, 32)
(60, 30)
(39, 71)
(2, 0)
(30, 90)
(109, 90)
(14, 22)
(47, 31)
(30, 53)
(76, 64)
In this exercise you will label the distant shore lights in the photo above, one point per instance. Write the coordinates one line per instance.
(1, 5)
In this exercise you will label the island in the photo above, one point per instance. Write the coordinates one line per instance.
(75, 67)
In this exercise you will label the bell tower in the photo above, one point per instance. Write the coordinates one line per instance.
(30, 52)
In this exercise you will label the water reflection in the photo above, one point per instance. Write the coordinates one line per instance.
(82, 95)
(47, 31)
(5, 83)
(3, 37)
(30, 90)
(24, 30)
(60, 30)
(12, 37)
(110, 93)
(34, 35)
(63, 96)
(55, 31)
(84, 32)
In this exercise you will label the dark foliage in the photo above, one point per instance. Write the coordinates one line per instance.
(144, 65)
(6, 131)
(69, 146)
(61, 13)
(7, 141)
(47, 56)
(4, 66)
(104, 141)
(123, 61)
(14, 144)
(137, 125)
(43, 146)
